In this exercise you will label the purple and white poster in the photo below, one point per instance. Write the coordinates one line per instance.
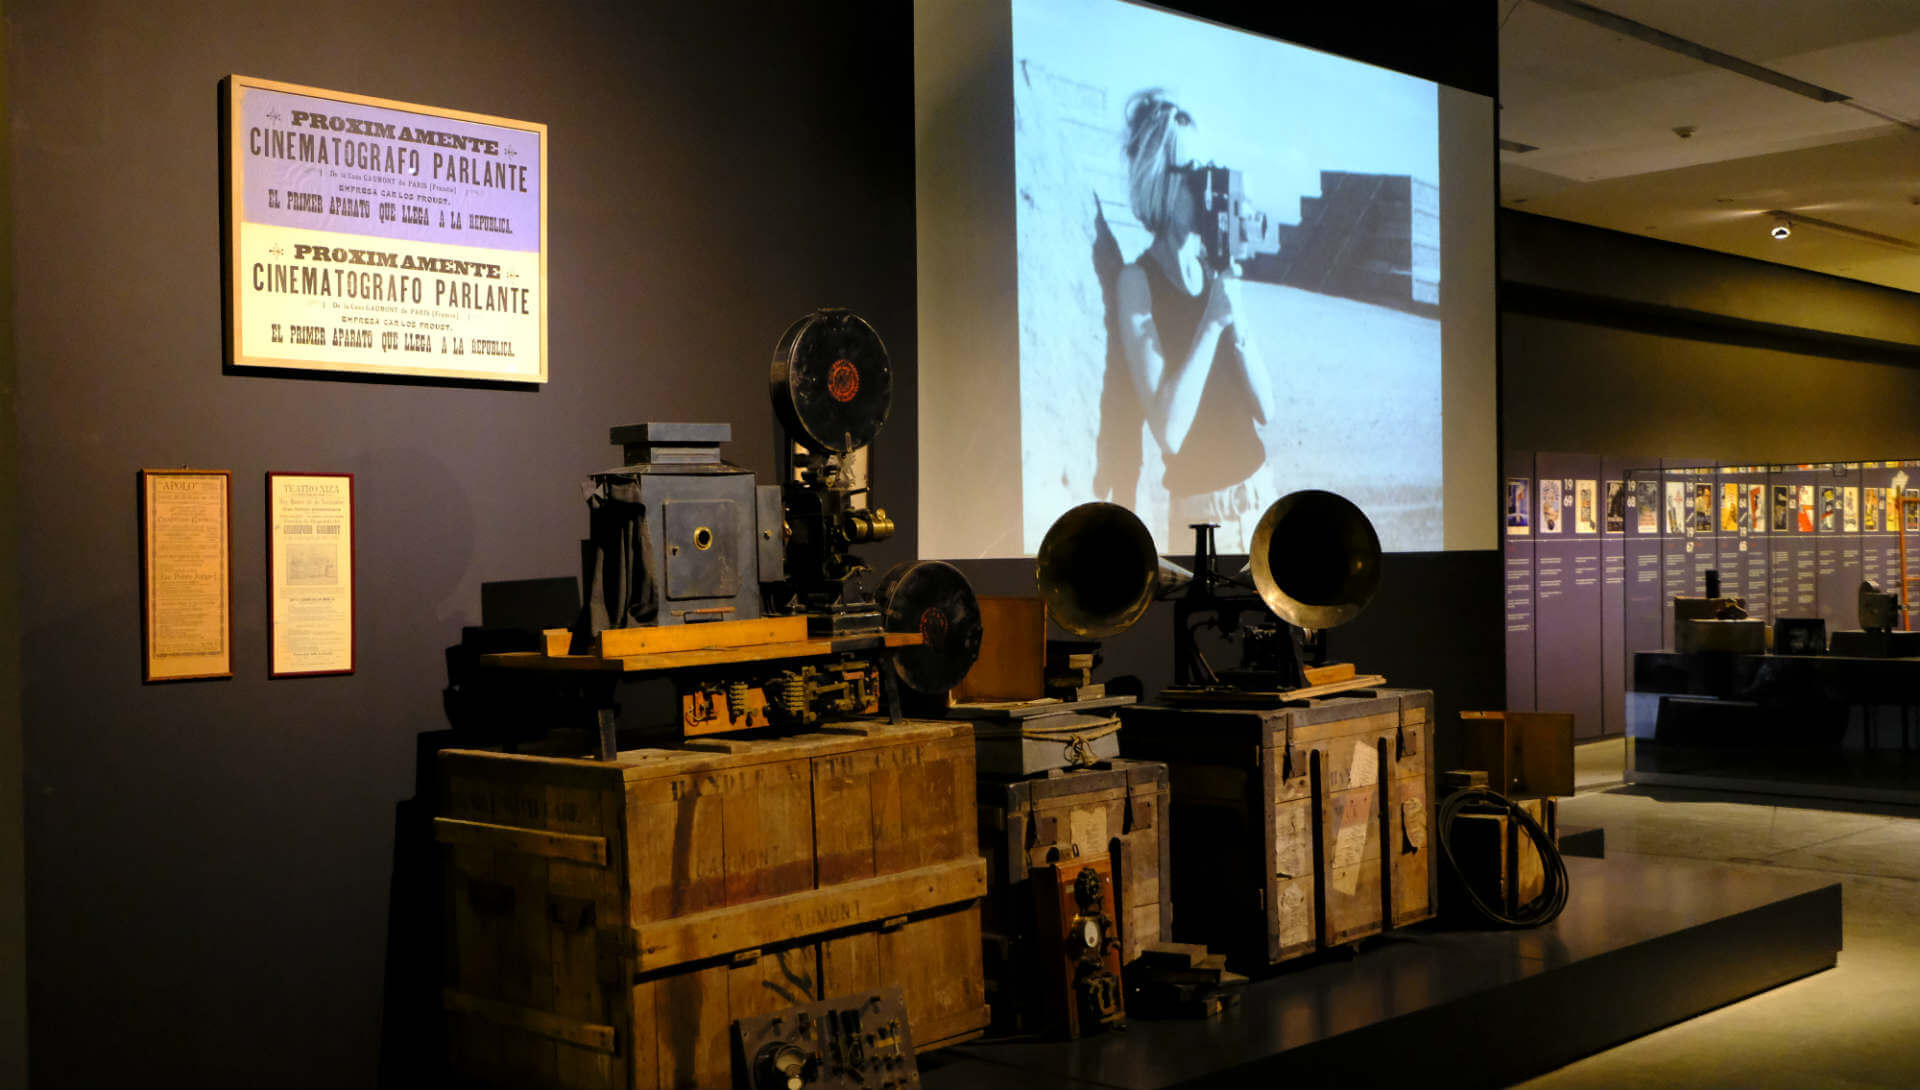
(377, 236)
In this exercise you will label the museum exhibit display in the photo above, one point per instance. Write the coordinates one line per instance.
(1095, 681)
(1688, 618)
(750, 597)
(1302, 792)
(1780, 660)
(766, 849)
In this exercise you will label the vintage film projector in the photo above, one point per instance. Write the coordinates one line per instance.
(752, 597)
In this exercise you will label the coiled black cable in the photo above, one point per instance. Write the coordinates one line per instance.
(1553, 897)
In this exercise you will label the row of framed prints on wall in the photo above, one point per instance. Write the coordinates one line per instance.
(186, 574)
(1571, 505)
(1597, 546)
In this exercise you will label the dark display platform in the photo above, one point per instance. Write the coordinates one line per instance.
(1881, 775)
(1644, 942)
(1821, 726)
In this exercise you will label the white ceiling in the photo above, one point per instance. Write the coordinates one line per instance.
(1601, 106)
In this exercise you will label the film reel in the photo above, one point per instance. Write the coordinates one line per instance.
(831, 383)
(932, 598)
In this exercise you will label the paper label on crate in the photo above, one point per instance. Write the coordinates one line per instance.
(1088, 828)
(1292, 839)
(1296, 915)
(1350, 840)
(1366, 766)
(1413, 823)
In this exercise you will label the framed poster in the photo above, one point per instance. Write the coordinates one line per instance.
(1584, 520)
(310, 572)
(186, 574)
(368, 235)
(1518, 514)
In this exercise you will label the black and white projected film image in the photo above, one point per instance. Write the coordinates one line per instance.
(1228, 276)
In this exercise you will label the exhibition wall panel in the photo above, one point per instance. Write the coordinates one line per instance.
(1519, 504)
(1791, 541)
(1567, 589)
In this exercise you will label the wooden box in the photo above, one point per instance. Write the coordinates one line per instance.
(608, 920)
(1061, 817)
(1278, 815)
(1013, 652)
(1523, 753)
(1499, 858)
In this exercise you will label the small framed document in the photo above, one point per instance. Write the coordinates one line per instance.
(310, 569)
(186, 573)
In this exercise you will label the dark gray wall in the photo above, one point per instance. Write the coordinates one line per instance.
(1612, 343)
(215, 894)
(13, 903)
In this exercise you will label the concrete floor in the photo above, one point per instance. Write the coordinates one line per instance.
(1856, 1025)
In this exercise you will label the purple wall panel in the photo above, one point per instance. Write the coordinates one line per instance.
(1838, 549)
(1801, 555)
(1687, 518)
(1567, 609)
(1877, 540)
(1520, 516)
(1757, 579)
(1617, 533)
(1644, 597)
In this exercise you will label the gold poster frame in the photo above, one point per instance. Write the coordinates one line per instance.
(153, 575)
(233, 152)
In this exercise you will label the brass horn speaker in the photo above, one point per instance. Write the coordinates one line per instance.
(1316, 559)
(1098, 570)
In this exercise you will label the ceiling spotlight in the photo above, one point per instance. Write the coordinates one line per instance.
(1782, 227)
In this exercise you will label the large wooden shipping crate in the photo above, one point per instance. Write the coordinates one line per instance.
(608, 921)
(1277, 816)
(1116, 809)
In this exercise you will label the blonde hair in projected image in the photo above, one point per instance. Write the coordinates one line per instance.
(1153, 151)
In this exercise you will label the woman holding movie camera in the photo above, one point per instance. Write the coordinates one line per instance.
(1200, 382)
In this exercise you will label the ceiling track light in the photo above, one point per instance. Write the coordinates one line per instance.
(1782, 227)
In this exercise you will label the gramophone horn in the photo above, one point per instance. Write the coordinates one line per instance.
(1098, 570)
(1316, 559)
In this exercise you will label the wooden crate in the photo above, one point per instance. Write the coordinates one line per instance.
(1277, 815)
(1059, 818)
(1500, 858)
(608, 921)
(1013, 652)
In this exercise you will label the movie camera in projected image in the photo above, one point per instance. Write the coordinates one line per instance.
(1231, 229)
(682, 537)
(1314, 565)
